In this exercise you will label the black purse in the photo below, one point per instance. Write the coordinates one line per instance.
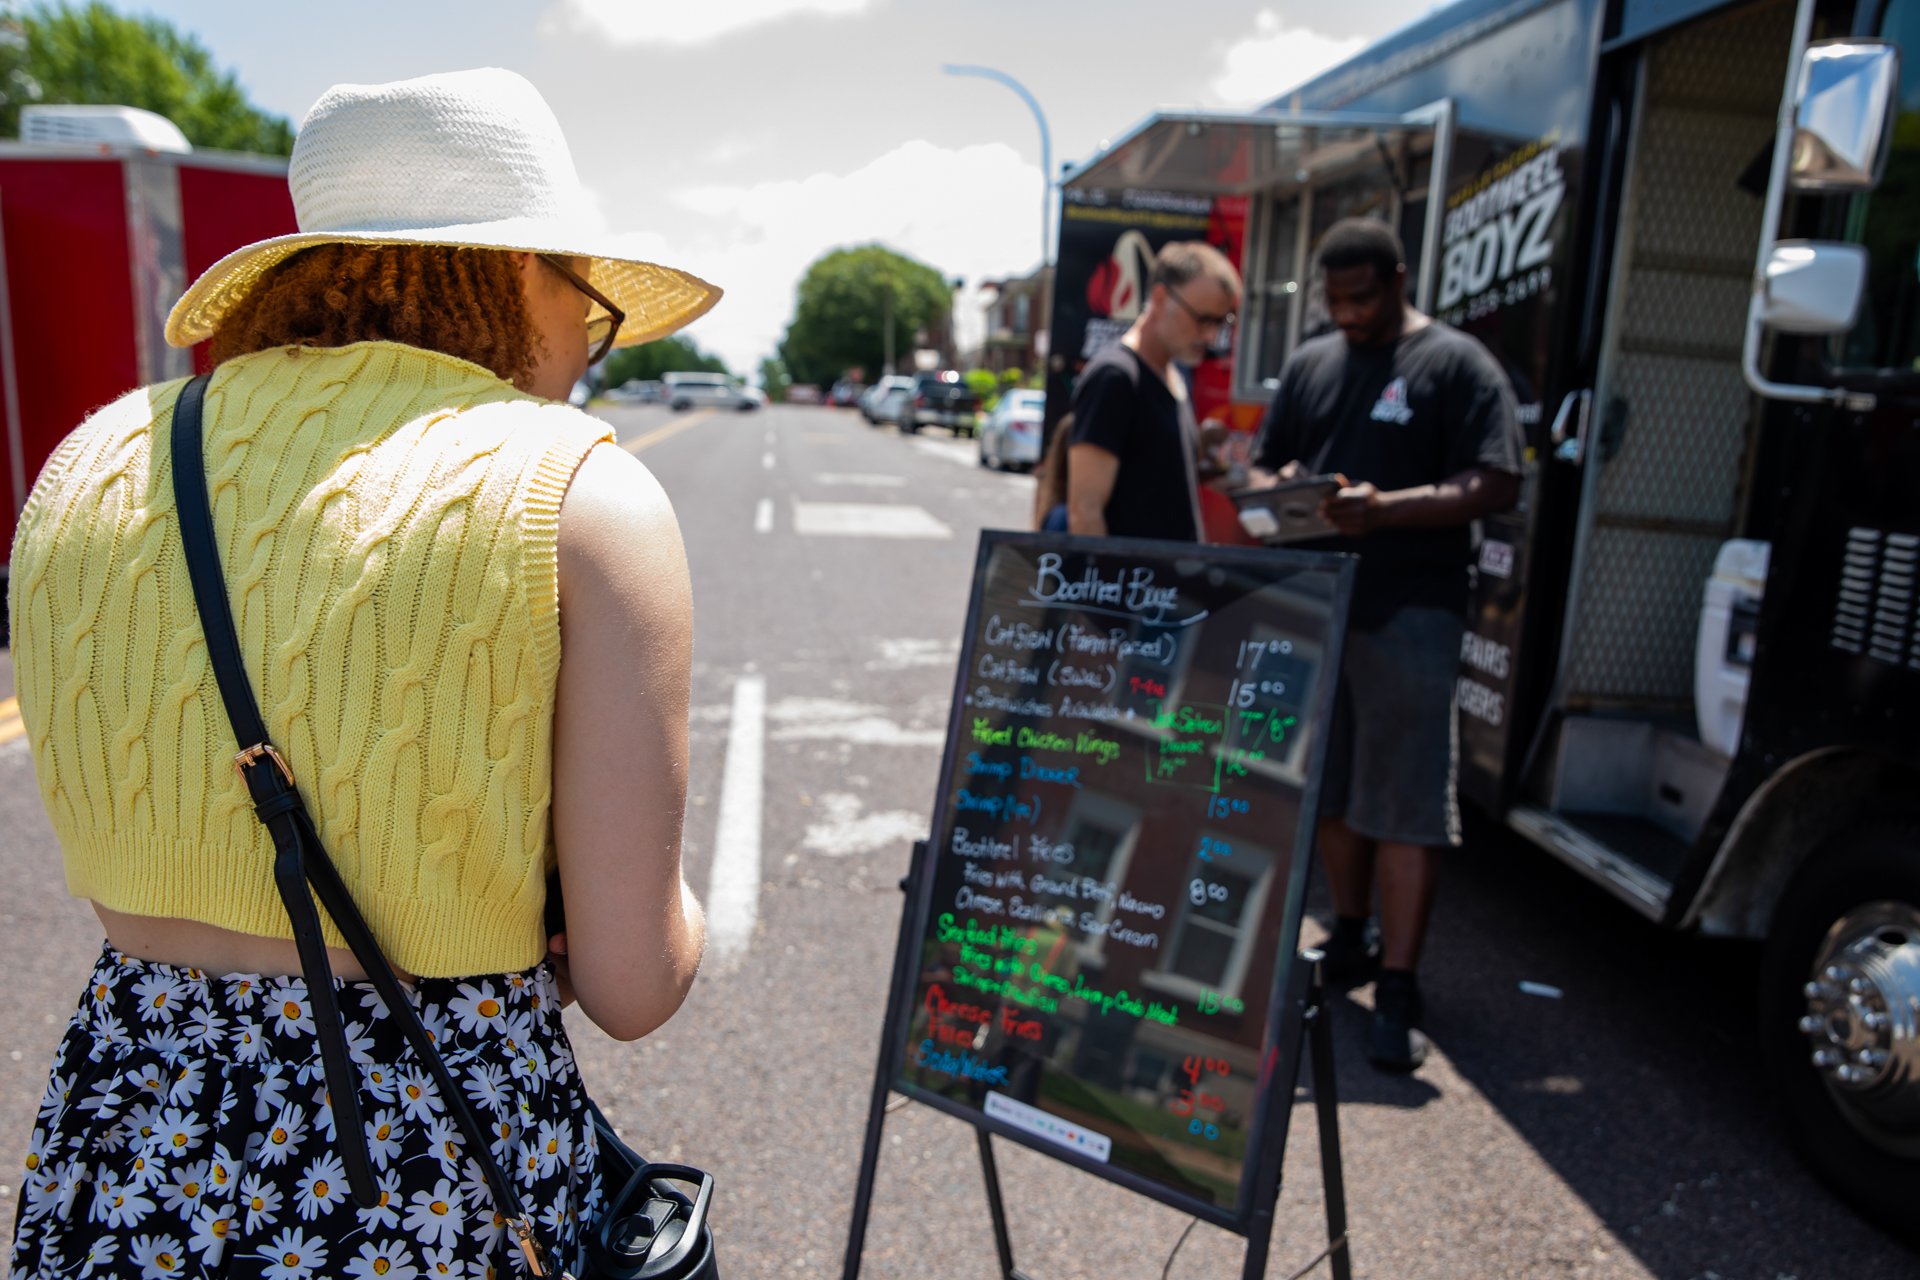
(650, 1230)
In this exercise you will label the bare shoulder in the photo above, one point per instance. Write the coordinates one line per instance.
(613, 507)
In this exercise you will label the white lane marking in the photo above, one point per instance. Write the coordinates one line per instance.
(846, 828)
(852, 724)
(733, 891)
(861, 480)
(763, 516)
(766, 460)
(966, 453)
(901, 654)
(866, 520)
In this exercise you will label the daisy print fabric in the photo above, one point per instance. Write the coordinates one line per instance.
(185, 1132)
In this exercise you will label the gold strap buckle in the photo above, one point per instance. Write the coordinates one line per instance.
(523, 1233)
(253, 754)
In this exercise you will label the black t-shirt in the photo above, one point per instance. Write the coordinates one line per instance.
(1407, 413)
(1123, 407)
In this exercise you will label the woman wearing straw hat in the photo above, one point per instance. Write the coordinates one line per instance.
(408, 523)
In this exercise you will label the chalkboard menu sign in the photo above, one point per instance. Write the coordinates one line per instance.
(1114, 882)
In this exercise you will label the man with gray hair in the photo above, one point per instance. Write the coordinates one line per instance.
(1131, 461)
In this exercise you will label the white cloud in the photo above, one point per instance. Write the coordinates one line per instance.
(972, 211)
(637, 22)
(1275, 58)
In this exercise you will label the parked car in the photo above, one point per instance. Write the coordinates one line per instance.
(940, 400)
(846, 392)
(639, 391)
(1010, 436)
(686, 390)
(803, 393)
(884, 399)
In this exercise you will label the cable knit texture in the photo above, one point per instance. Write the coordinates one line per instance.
(387, 519)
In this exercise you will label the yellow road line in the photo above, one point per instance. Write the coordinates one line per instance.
(671, 429)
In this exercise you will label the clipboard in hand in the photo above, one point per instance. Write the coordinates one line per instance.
(1289, 511)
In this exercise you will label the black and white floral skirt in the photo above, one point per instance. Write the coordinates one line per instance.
(185, 1132)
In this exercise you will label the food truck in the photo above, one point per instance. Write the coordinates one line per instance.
(1688, 231)
(105, 214)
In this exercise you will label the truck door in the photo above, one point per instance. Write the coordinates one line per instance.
(1631, 759)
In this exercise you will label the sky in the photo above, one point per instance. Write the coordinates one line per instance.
(743, 139)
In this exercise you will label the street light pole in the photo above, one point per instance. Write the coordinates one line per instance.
(1046, 146)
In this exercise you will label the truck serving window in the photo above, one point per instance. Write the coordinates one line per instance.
(1887, 222)
(1291, 307)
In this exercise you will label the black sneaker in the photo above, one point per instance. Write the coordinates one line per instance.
(1352, 955)
(1395, 1041)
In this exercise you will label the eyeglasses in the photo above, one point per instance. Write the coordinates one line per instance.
(601, 330)
(1200, 318)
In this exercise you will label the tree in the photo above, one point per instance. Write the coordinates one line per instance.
(94, 55)
(669, 355)
(773, 378)
(840, 310)
(985, 385)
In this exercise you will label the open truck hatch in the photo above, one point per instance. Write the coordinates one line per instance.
(1227, 153)
(1299, 173)
(1277, 158)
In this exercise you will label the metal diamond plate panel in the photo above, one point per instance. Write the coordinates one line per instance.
(1688, 204)
(1737, 62)
(1679, 310)
(1679, 457)
(1708, 111)
(1640, 616)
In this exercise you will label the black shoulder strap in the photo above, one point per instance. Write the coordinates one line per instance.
(300, 861)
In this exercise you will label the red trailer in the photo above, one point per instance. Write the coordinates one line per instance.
(97, 240)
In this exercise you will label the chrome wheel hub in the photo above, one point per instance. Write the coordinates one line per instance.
(1863, 1020)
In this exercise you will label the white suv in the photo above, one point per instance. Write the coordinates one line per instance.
(685, 390)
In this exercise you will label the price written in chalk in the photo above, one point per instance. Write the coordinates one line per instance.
(1201, 892)
(1242, 694)
(1192, 1098)
(1258, 649)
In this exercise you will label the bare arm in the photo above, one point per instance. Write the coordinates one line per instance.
(1091, 472)
(1457, 500)
(634, 929)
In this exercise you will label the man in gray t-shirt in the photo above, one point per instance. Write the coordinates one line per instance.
(1418, 420)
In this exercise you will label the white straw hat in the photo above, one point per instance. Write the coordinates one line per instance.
(468, 158)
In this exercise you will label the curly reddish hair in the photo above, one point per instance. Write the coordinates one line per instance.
(462, 302)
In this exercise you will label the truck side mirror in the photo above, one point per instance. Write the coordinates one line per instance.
(1811, 287)
(1843, 115)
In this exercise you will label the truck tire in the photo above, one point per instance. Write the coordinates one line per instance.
(1841, 980)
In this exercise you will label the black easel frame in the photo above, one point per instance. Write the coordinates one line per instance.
(1312, 1041)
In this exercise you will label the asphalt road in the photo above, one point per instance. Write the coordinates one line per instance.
(1618, 1131)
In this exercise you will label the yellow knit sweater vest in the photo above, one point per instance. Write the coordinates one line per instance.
(387, 520)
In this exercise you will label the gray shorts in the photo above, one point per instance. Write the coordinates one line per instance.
(1392, 754)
